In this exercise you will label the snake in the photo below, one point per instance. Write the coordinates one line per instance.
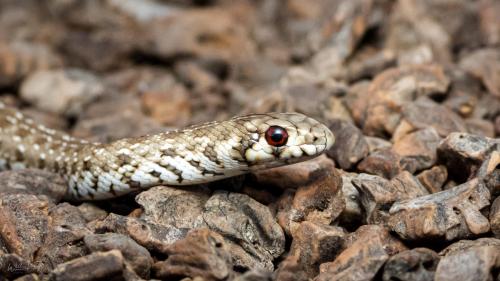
(197, 154)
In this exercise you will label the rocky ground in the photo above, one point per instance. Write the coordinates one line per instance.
(410, 88)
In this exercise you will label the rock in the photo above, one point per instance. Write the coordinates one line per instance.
(489, 171)
(472, 263)
(495, 217)
(434, 178)
(417, 264)
(25, 222)
(135, 255)
(97, 266)
(480, 127)
(370, 247)
(63, 239)
(13, 266)
(250, 231)
(167, 96)
(463, 153)
(202, 253)
(320, 201)
(173, 206)
(19, 59)
(378, 194)
(295, 175)
(353, 213)
(91, 212)
(33, 181)
(65, 91)
(154, 237)
(349, 147)
(447, 215)
(385, 163)
(485, 65)
(418, 149)
(394, 87)
(255, 275)
(313, 244)
(211, 33)
(425, 113)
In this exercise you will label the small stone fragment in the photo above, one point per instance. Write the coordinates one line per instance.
(250, 230)
(378, 194)
(96, 266)
(33, 181)
(463, 153)
(353, 212)
(495, 217)
(13, 266)
(350, 146)
(470, 264)
(202, 253)
(371, 247)
(447, 215)
(485, 65)
(178, 207)
(417, 264)
(418, 149)
(320, 201)
(154, 237)
(62, 91)
(136, 256)
(312, 245)
(24, 223)
(434, 178)
(385, 163)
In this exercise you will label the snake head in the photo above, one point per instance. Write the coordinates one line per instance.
(283, 138)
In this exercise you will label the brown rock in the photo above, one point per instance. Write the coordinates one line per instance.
(63, 238)
(135, 255)
(480, 127)
(13, 266)
(18, 59)
(473, 263)
(417, 264)
(489, 171)
(320, 201)
(65, 91)
(349, 147)
(434, 178)
(378, 194)
(250, 230)
(97, 266)
(257, 274)
(33, 181)
(424, 113)
(391, 89)
(463, 153)
(209, 33)
(25, 222)
(173, 206)
(91, 212)
(312, 245)
(173, 98)
(202, 253)
(485, 65)
(371, 247)
(385, 163)
(353, 213)
(418, 149)
(154, 237)
(495, 217)
(451, 214)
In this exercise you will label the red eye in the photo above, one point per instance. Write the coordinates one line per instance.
(276, 136)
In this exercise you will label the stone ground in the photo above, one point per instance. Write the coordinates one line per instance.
(410, 88)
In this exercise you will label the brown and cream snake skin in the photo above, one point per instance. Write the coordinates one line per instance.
(194, 155)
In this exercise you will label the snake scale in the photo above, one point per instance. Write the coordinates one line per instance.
(197, 154)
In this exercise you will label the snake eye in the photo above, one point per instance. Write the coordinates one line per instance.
(276, 136)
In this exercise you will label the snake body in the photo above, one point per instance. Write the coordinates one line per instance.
(197, 154)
